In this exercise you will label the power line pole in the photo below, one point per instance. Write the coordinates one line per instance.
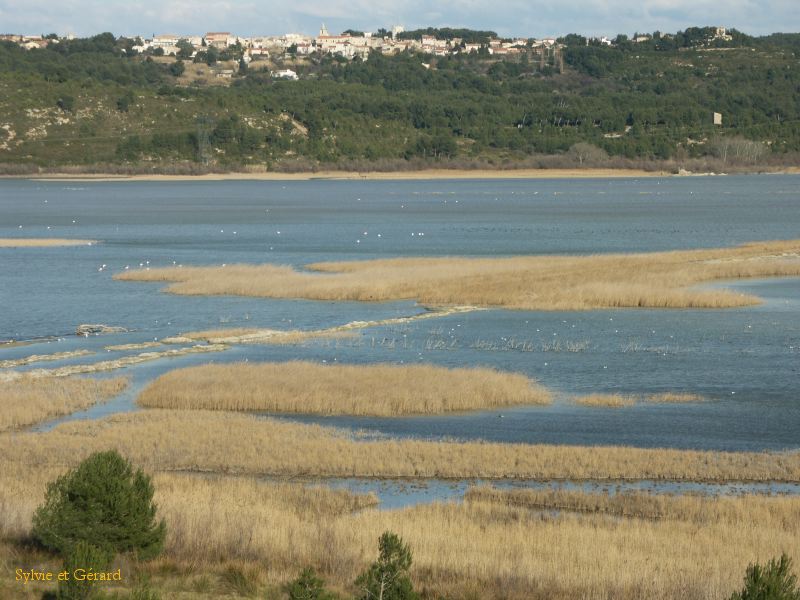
(204, 123)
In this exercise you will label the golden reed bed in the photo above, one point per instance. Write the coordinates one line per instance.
(27, 400)
(306, 387)
(212, 441)
(659, 279)
(42, 242)
(625, 400)
(510, 545)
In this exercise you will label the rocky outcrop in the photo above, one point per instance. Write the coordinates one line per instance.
(88, 329)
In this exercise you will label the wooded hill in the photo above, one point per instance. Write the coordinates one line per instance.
(93, 102)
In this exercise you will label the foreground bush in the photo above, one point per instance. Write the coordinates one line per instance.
(82, 556)
(102, 502)
(308, 587)
(387, 579)
(774, 581)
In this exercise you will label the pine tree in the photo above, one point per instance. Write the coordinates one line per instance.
(102, 502)
(387, 579)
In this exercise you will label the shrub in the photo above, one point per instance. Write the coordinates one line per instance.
(82, 555)
(774, 581)
(66, 103)
(387, 578)
(308, 587)
(102, 502)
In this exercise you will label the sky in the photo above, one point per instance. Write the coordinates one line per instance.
(507, 17)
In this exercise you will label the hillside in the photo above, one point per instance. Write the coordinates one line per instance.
(90, 104)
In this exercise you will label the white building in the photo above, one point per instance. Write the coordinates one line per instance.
(285, 74)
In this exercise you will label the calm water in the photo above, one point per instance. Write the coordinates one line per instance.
(747, 361)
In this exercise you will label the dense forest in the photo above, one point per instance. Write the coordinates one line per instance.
(95, 102)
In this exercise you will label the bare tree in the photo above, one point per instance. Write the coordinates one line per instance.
(586, 154)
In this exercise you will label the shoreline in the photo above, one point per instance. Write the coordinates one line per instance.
(420, 175)
(411, 175)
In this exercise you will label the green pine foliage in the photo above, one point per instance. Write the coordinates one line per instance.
(102, 502)
(773, 581)
(85, 557)
(387, 578)
(308, 586)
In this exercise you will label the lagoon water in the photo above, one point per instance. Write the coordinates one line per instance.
(745, 361)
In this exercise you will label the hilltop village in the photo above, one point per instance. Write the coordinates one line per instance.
(220, 46)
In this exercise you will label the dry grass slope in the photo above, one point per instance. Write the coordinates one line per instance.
(656, 280)
(28, 400)
(306, 387)
(211, 441)
(495, 545)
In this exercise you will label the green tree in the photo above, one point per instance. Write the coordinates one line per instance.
(185, 49)
(66, 103)
(308, 587)
(774, 581)
(177, 68)
(85, 556)
(387, 578)
(103, 502)
(124, 102)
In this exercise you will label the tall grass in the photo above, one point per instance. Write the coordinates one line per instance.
(510, 545)
(42, 242)
(236, 443)
(675, 398)
(659, 279)
(306, 387)
(605, 400)
(28, 400)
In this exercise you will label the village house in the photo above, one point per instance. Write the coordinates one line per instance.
(285, 74)
(218, 39)
(29, 42)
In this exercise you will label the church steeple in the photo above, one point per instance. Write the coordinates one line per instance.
(324, 31)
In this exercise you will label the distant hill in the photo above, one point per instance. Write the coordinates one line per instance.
(93, 103)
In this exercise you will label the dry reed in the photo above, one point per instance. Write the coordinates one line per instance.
(605, 400)
(33, 358)
(306, 387)
(660, 279)
(675, 398)
(508, 545)
(42, 242)
(212, 441)
(28, 400)
(111, 365)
